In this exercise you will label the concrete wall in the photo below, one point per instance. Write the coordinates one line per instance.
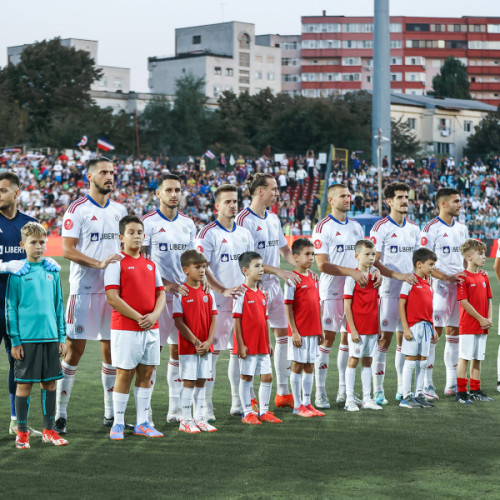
(215, 38)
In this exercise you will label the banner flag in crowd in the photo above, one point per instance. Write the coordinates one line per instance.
(232, 161)
(104, 144)
(209, 154)
(83, 141)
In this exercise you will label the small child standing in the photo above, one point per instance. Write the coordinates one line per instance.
(474, 294)
(37, 329)
(361, 310)
(304, 328)
(415, 309)
(194, 316)
(252, 342)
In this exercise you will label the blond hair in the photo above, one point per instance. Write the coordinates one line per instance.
(472, 245)
(33, 229)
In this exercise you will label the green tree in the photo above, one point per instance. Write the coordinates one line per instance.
(13, 121)
(485, 140)
(452, 80)
(156, 126)
(403, 141)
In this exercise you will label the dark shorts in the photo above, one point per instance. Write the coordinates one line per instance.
(40, 364)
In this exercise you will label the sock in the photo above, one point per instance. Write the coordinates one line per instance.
(199, 398)
(48, 408)
(462, 384)
(498, 364)
(64, 388)
(475, 385)
(12, 406)
(22, 410)
(307, 387)
(142, 403)
(342, 358)
(252, 392)
(153, 380)
(119, 406)
(408, 369)
(399, 361)
(174, 386)
(420, 369)
(245, 396)
(233, 373)
(265, 396)
(295, 380)
(451, 359)
(430, 364)
(186, 399)
(12, 386)
(350, 377)
(209, 384)
(378, 368)
(108, 376)
(321, 369)
(281, 365)
(366, 381)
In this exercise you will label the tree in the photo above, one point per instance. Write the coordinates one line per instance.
(452, 80)
(155, 124)
(486, 137)
(403, 141)
(13, 121)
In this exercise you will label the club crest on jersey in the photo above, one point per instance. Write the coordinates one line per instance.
(163, 247)
(68, 224)
(150, 267)
(205, 298)
(445, 235)
(200, 249)
(185, 229)
(394, 249)
(373, 240)
(484, 284)
(94, 236)
(117, 218)
(423, 241)
(261, 244)
(317, 244)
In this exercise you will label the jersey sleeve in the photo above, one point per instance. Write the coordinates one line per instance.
(12, 310)
(192, 237)
(112, 276)
(72, 225)
(238, 306)
(320, 241)
(417, 238)
(147, 234)
(427, 238)
(178, 312)
(488, 288)
(214, 305)
(250, 244)
(59, 305)
(349, 287)
(289, 292)
(282, 239)
(463, 290)
(377, 237)
(205, 246)
(405, 290)
(498, 249)
(158, 281)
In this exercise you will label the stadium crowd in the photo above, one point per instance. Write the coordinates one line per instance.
(51, 182)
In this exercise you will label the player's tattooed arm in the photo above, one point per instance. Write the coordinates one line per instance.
(327, 267)
(216, 285)
(287, 276)
(450, 278)
(71, 253)
(390, 273)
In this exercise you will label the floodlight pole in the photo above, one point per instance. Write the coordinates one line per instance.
(379, 164)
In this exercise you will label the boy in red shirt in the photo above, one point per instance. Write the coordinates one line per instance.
(135, 291)
(474, 294)
(304, 328)
(415, 309)
(361, 310)
(251, 340)
(194, 316)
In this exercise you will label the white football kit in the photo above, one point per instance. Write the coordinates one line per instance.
(88, 314)
(445, 241)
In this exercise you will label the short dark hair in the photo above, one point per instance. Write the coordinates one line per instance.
(364, 243)
(299, 244)
(333, 187)
(169, 177)
(190, 257)
(445, 193)
(423, 255)
(224, 188)
(246, 258)
(257, 180)
(129, 219)
(390, 189)
(93, 162)
(11, 177)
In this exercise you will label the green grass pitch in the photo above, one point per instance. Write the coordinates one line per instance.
(448, 451)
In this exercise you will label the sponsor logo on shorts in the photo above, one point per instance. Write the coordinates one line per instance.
(68, 224)
(437, 317)
(328, 321)
(317, 244)
(79, 329)
(385, 322)
(150, 267)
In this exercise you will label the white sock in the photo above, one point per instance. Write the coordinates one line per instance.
(174, 386)
(408, 369)
(199, 398)
(64, 388)
(119, 406)
(321, 369)
(350, 377)
(252, 392)
(366, 382)
(295, 382)
(430, 364)
(233, 373)
(451, 359)
(399, 361)
(142, 403)
(265, 396)
(378, 368)
(498, 365)
(245, 396)
(307, 387)
(419, 377)
(342, 358)
(281, 365)
(186, 399)
(108, 375)
(209, 384)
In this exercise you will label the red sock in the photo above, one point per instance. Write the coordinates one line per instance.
(475, 385)
(462, 384)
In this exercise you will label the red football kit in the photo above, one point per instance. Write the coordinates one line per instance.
(418, 301)
(364, 305)
(476, 289)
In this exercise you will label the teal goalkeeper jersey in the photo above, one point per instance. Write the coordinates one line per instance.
(34, 310)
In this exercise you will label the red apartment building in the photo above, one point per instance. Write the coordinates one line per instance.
(337, 53)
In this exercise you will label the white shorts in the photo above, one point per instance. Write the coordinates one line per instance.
(129, 349)
(223, 338)
(364, 348)
(389, 315)
(472, 346)
(420, 344)
(88, 317)
(305, 354)
(193, 366)
(168, 333)
(445, 304)
(332, 315)
(256, 364)
(275, 304)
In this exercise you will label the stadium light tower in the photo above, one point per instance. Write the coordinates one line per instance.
(381, 106)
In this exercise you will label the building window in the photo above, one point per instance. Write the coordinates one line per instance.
(351, 77)
(244, 41)
(396, 77)
(395, 27)
(417, 27)
(229, 88)
(351, 61)
(369, 79)
(258, 75)
(216, 90)
(396, 61)
(467, 126)
(196, 39)
(444, 126)
(270, 59)
(270, 76)
(244, 59)
(412, 123)
(396, 44)
(243, 89)
(117, 83)
(229, 71)
(217, 70)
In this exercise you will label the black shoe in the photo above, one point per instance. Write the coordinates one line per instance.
(108, 422)
(463, 397)
(480, 396)
(423, 402)
(60, 426)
